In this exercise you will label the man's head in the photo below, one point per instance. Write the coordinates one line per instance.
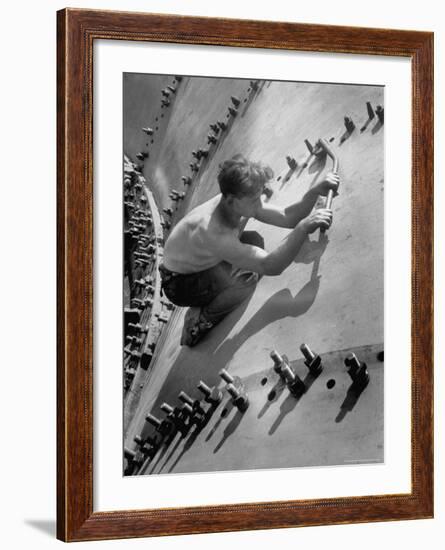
(242, 183)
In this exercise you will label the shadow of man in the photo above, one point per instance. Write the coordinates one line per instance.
(280, 305)
(214, 352)
(204, 361)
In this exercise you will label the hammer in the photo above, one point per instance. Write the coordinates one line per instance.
(335, 163)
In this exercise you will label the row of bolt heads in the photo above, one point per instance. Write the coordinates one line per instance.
(193, 412)
(170, 89)
(211, 139)
(138, 223)
(379, 111)
(317, 150)
(138, 305)
(357, 370)
(165, 102)
(200, 153)
(139, 220)
(143, 155)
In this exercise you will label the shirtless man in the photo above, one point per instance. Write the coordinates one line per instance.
(211, 265)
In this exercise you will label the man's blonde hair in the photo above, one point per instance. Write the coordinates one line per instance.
(240, 177)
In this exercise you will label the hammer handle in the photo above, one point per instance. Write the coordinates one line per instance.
(328, 204)
(335, 164)
(329, 198)
(330, 195)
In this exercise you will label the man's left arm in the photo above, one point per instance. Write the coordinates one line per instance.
(291, 215)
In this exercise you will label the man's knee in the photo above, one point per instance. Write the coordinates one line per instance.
(253, 238)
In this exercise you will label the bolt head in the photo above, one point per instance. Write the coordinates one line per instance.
(241, 403)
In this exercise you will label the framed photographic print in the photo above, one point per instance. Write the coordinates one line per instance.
(245, 228)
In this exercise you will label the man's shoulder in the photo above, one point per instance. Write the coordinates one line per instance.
(201, 212)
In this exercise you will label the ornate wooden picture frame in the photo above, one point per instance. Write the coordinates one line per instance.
(77, 31)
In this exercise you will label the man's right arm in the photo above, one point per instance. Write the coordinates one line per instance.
(246, 256)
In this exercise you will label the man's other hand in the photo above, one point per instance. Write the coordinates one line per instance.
(318, 218)
(332, 181)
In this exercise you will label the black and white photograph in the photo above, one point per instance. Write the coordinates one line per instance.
(253, 274)
(228, 275)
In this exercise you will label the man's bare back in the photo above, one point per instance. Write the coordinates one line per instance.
(191, 245)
